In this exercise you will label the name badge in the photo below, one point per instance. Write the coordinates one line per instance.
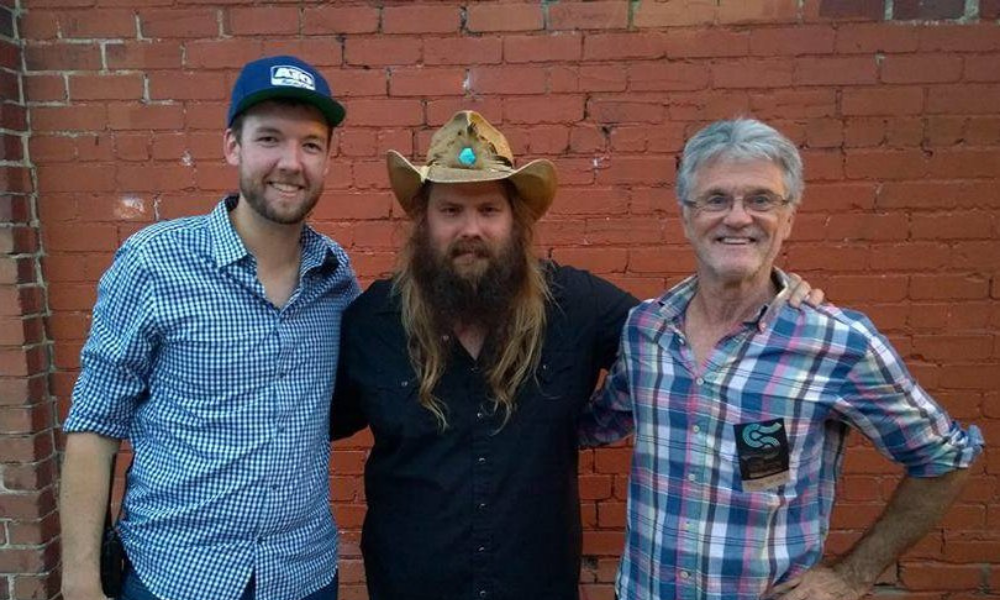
(763, 452)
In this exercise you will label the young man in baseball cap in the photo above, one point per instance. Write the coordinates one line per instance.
(213, 349)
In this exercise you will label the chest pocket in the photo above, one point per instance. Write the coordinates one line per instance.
(564, 385)
(394, 411)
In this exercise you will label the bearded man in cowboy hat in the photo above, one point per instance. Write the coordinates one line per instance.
(471, 366)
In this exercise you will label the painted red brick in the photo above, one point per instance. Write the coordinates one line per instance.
(504, 17)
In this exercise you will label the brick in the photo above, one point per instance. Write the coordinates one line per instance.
(504, 17)
(625, 111)
(542, 48)
(982, 68)
(383, 51)
(871, 227)
(848, 9)
(36, 586)
(141, 116)
(270, 20)
(794, 104)
(866, 38)
(963, 99)
(218, 54)
(426, 81)
(942, 577)
(665, 137)
(761, 11)
(590, 15)
(637, 170)
(972, 37)
(183, 23)
(386, 113)
(463, 50)
(101, 23)
(675, 13)
(44, 88)
(105, 87)
(507, 80)
(587, 78)
(965, 163)
(143, 55)
(552, 109)
(331, 20)
(835, 71)
(921, 68)
(707, 43)
(348, 83)
(439, 111)
(758, 73)
(669, 76)
(883, 101)
(616, 46)
(967, 225)
(62, 57)
(790, 41)
(75, 118)
(885, 164)
(38, 25)
(420, 19)
(595, 260)
(945, 287)
(931, 10)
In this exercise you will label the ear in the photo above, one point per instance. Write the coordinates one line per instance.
(231, 148)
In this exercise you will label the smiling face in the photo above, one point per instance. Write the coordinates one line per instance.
(736, 246)
(282, 153)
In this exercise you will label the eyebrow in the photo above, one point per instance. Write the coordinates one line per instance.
(745, 191)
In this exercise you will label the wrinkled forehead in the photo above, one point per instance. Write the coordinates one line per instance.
(739, 175)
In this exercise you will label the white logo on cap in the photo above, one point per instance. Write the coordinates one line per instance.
(292, 76)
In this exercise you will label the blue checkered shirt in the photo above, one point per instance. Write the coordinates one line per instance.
(692, 530)
(225, 399)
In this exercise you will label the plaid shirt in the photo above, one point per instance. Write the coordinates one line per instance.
(693, 532)
(225, 399)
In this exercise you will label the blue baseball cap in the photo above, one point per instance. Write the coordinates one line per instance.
(283, 77)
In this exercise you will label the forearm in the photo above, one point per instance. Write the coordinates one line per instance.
(916, 506)
(83, 501)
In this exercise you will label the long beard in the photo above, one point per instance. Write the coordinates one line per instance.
(479, 298)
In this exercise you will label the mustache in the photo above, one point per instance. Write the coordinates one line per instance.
(474, 246)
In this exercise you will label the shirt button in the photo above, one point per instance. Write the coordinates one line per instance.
(692, 477)
(696, 429)
(482, 593)
(482, 548)
(480, 415)
(685, 574)
(700, 381)
(482, 460)
(482, 506)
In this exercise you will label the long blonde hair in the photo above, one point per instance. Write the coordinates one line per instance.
(516, 344)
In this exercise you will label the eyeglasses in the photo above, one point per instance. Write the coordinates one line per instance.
(757, 202)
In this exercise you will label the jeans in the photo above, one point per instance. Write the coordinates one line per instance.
(135, 589)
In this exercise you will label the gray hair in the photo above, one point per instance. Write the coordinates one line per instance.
(739, 140)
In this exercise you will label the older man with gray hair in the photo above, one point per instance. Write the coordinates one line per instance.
(741, 405)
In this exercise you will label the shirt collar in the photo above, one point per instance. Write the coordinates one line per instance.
(674, 302)
(228, 247)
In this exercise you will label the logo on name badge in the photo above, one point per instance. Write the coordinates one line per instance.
(763, 452)
(288, 75)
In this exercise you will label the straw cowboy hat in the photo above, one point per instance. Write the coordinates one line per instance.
(467, 149)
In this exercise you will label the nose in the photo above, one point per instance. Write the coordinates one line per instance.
(472, 226)
(290, 158)
(737, 215)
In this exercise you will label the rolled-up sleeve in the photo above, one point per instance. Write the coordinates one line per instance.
(881, 398)
(117, 357)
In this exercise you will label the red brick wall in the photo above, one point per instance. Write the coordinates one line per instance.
(28, 518)
(896, 104)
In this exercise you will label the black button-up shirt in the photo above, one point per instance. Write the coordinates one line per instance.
(474, 512)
